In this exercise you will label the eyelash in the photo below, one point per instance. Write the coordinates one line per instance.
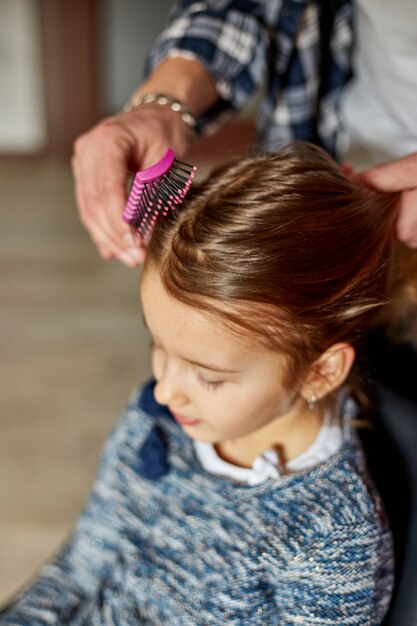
(212, 385)
(208, 384)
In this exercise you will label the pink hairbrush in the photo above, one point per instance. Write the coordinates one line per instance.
(156, 191)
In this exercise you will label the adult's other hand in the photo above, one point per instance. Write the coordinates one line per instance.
(399, 175)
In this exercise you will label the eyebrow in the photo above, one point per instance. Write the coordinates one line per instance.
(213, 368)
(206, 366)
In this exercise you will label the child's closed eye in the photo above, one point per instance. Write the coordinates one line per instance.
(210, 384)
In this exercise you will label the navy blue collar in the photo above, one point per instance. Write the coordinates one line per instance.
(149, 405)
(152, 460)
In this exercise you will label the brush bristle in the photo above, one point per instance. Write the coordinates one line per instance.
(158, 197)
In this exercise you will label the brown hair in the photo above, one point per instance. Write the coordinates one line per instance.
(285, 246)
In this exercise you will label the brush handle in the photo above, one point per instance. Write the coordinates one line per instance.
(145, 176)
(157, 191)
(157, 170)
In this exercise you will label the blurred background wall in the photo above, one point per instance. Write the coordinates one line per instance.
(63, 65)
(22, 102)
(127, 30)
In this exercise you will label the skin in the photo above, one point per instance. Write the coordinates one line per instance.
(130, 141)
(227, 389)
(401, 176)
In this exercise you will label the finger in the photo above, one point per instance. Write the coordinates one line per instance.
(396, 176)
(129, 251)
(100, 189)
(100, 182)
(93, 219)
(346, 168)
(133, 257)
(97, 228)
(407, 219)
(131, 254)
(350, 173)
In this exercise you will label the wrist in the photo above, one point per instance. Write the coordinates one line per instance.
(163, 100)
(154, 128)
(184, 80)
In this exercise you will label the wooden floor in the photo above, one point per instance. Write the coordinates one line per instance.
(72, 348)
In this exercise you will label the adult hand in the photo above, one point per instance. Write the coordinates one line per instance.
(101, 163)
(400, 175)
(131, 141)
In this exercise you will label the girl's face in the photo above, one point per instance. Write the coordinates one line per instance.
(218, 387)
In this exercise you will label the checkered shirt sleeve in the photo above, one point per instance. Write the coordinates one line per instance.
(287, 45)
(229, 38)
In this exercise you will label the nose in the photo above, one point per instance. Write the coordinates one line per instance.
(168, 390)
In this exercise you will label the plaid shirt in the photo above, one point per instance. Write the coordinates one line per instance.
(298, 49)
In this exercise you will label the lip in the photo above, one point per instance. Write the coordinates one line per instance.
(185, 421)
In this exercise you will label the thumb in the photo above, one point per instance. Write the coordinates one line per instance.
(390, 177)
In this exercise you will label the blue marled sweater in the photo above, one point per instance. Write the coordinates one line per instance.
(162, 542)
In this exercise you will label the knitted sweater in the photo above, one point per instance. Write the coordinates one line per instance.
(163, 542)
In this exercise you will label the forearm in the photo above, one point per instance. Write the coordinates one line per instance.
(184, 80)
(227, 43)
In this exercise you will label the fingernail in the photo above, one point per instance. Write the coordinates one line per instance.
(129, 239)
(135, 253)
(127, 259)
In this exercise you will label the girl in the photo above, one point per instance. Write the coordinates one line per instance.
(234, 490)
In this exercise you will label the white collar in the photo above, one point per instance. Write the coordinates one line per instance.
(267, 465)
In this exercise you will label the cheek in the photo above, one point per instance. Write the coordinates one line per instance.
(277, 401)
(264, 402)
(158, 363)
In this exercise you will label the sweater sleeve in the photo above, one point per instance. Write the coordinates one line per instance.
(67, 584)
(229, 38)
(347, 574)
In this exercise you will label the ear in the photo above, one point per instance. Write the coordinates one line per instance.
(328, 372)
